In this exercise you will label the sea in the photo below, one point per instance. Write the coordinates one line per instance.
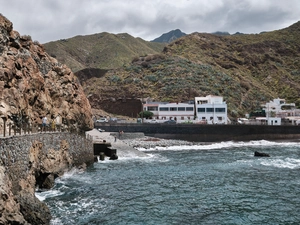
(216, 183)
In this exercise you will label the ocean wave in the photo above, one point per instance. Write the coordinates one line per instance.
(289, 163)
(219, 145)
(48, 194)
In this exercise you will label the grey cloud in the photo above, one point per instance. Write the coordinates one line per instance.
(55, 19)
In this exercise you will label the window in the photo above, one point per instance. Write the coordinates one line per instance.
(203, 118)
(173, 108)
(220, 118)
(220, 110)
(209, 109)
(163, 109)
(152, 108)
(181, 109)
(201, 110)
(189, 108)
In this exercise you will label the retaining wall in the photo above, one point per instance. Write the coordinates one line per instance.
(14, 150)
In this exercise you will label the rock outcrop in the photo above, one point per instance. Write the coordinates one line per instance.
(33, 84)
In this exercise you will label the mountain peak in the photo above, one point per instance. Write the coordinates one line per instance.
(170, 36)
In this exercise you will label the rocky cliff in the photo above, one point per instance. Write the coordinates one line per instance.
(33, 84)
(32, 162)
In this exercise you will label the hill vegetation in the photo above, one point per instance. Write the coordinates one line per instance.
(101, 51)
(247, 70)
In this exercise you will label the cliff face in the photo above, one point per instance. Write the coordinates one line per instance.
(33, 84)
(31, 162)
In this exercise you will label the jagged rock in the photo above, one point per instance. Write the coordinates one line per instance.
(33, 84)
(261, 154)
(9, 208)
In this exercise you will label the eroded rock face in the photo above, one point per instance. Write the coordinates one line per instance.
(33, 84)
(9, 208)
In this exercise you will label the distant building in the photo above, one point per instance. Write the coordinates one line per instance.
(211, 109)
(208, 110)
(278, 108)
(181, 112)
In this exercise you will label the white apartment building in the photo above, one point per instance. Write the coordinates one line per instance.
(211, 109)
(279, 108)
(181, 112)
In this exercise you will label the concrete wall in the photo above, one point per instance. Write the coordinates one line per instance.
(208, 133)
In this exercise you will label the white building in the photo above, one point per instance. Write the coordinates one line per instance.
(278, 109)
(211, 109)
(181, 112)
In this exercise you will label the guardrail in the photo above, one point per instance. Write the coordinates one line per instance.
(11, 129)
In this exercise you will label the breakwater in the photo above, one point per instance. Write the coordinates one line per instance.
(208, 133)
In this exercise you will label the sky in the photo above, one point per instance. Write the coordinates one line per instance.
(51, 20)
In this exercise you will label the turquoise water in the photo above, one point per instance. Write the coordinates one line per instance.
(220, 183)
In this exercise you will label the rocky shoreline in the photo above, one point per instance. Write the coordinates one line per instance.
(150, 142)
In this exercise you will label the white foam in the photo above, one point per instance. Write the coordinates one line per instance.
(48, 194)
(220, 145)
(289, 163)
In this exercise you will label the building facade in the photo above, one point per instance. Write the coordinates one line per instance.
(163, 111)
(279, 108)
(208, 110)
(211, 109)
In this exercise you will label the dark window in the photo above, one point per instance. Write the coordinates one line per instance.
(201, 109)
(173, 108)
(209, 109)
(189, 109)
(163, 109)
(181, 109)
(152, 108)
(220, 110)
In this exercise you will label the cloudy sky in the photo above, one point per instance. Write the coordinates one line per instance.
(51, 20)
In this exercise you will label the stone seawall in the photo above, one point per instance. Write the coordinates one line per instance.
(32, 160)
(208, 133)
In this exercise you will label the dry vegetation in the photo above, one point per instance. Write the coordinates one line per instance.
(246, 70)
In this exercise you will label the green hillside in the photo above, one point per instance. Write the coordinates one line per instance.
(103, 50)
(247, 70)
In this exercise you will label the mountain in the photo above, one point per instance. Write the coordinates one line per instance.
(247, 70)
(102, 50)
(169, 37)
(221, 33)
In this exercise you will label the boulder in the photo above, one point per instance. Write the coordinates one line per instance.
(261, 154)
